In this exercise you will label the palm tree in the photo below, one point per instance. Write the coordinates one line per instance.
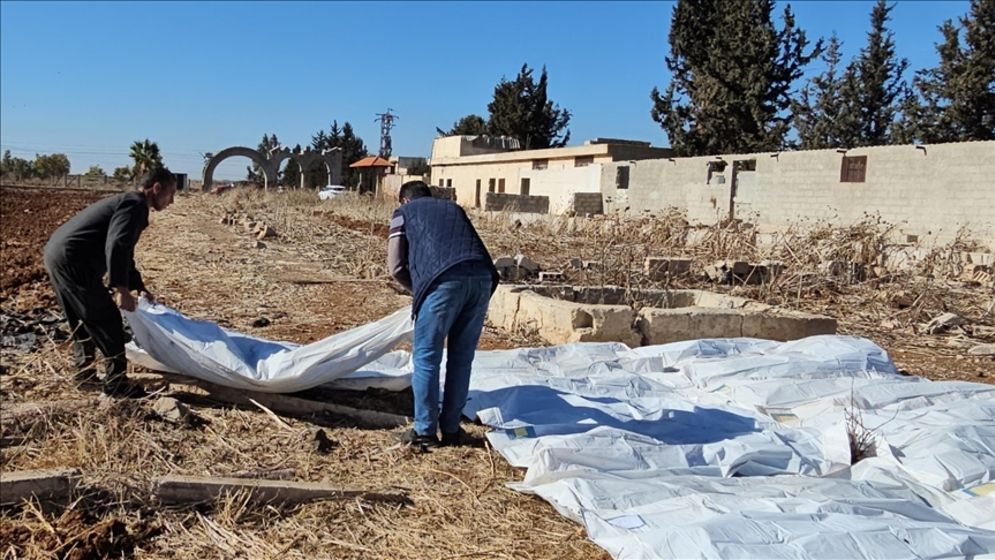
(146, 156)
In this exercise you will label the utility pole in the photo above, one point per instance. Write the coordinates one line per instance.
(386, 121)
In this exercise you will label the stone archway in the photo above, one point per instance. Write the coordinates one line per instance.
(265, 163)
(270, 163)
(331, 159)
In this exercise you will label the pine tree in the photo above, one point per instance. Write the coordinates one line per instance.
(470, 125)
(955, 101)
(880, 84)
(822, 117)
(353, 150)
(522, 109)
(255, 173)
(732, 72)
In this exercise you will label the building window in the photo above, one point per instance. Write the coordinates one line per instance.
(853, 169)
(526, 184)
(622, 177)
(500, 185)
(441, 182)
(476, 196)
(716, 168)
(583, 161)
(540, 163)
(491, 185)
(449, 182)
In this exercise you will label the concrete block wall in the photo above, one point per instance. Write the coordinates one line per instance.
(516, 202)
(930, 191)
(582, 204)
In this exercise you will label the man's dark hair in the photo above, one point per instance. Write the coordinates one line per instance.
(414, 189)
(161, 175)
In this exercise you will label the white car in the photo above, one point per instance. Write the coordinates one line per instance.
(329, 192)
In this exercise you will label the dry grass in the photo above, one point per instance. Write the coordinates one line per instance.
(325, 273)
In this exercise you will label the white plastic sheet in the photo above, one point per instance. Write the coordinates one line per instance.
(170, 341)
(706, 449)
(738, 448)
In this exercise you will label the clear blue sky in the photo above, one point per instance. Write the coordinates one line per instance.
(88, 78)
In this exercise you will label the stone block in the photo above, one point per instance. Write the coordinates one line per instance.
(526, 264)
(659, 326)
(551, 276)
(786, 325)
(503, 309)
(715, 323)
(658, 268)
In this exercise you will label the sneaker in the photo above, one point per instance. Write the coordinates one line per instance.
(411, 437)
(124, 388)
(454, 439)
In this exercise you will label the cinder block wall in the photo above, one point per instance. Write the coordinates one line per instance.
(517, 203)
(587, 203)
(928, 192)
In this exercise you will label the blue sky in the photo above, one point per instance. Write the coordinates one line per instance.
(88, 78)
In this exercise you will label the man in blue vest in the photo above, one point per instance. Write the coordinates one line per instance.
(435, 252)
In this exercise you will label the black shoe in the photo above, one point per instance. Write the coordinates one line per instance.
(123, 388)
(86, 378)
(454, 439)
(411, 437)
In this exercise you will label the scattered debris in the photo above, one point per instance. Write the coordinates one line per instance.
(265, 232)
(525, 264)
(943, 323)
(173, 411)
(261, 322)
(982, 350)
(322, 443)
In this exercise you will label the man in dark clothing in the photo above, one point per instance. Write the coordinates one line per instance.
(101, 240)
(434, 251)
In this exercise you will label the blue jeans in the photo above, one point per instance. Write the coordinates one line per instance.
(454, 308)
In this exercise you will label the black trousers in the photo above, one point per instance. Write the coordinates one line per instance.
(94, 320)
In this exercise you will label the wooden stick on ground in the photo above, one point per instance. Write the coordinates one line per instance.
(176, 489)
(290, 406)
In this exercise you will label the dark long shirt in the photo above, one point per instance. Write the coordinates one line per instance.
(102, 238)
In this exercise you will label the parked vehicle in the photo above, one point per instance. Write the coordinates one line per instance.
(329, 192)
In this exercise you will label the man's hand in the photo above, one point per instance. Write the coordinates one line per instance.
(147, 295)
(124, 299)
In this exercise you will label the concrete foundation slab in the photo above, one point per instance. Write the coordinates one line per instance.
(562, 314)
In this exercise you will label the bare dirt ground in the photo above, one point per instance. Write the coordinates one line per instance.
(323, 273)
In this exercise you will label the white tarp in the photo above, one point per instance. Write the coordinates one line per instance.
(706, 449)
(170, 341)
(738, 448)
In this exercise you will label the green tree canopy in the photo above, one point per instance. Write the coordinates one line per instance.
(732, 73)
(879, 85)
(51, 166)
(95, 171)
(824, 117)
(469, 125)
(255, 173)
(955, 101)
(146, 156)
(521, 108)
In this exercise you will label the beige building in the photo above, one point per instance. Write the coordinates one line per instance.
(476, 165)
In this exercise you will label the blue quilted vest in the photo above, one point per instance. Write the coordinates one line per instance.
(439, 236)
